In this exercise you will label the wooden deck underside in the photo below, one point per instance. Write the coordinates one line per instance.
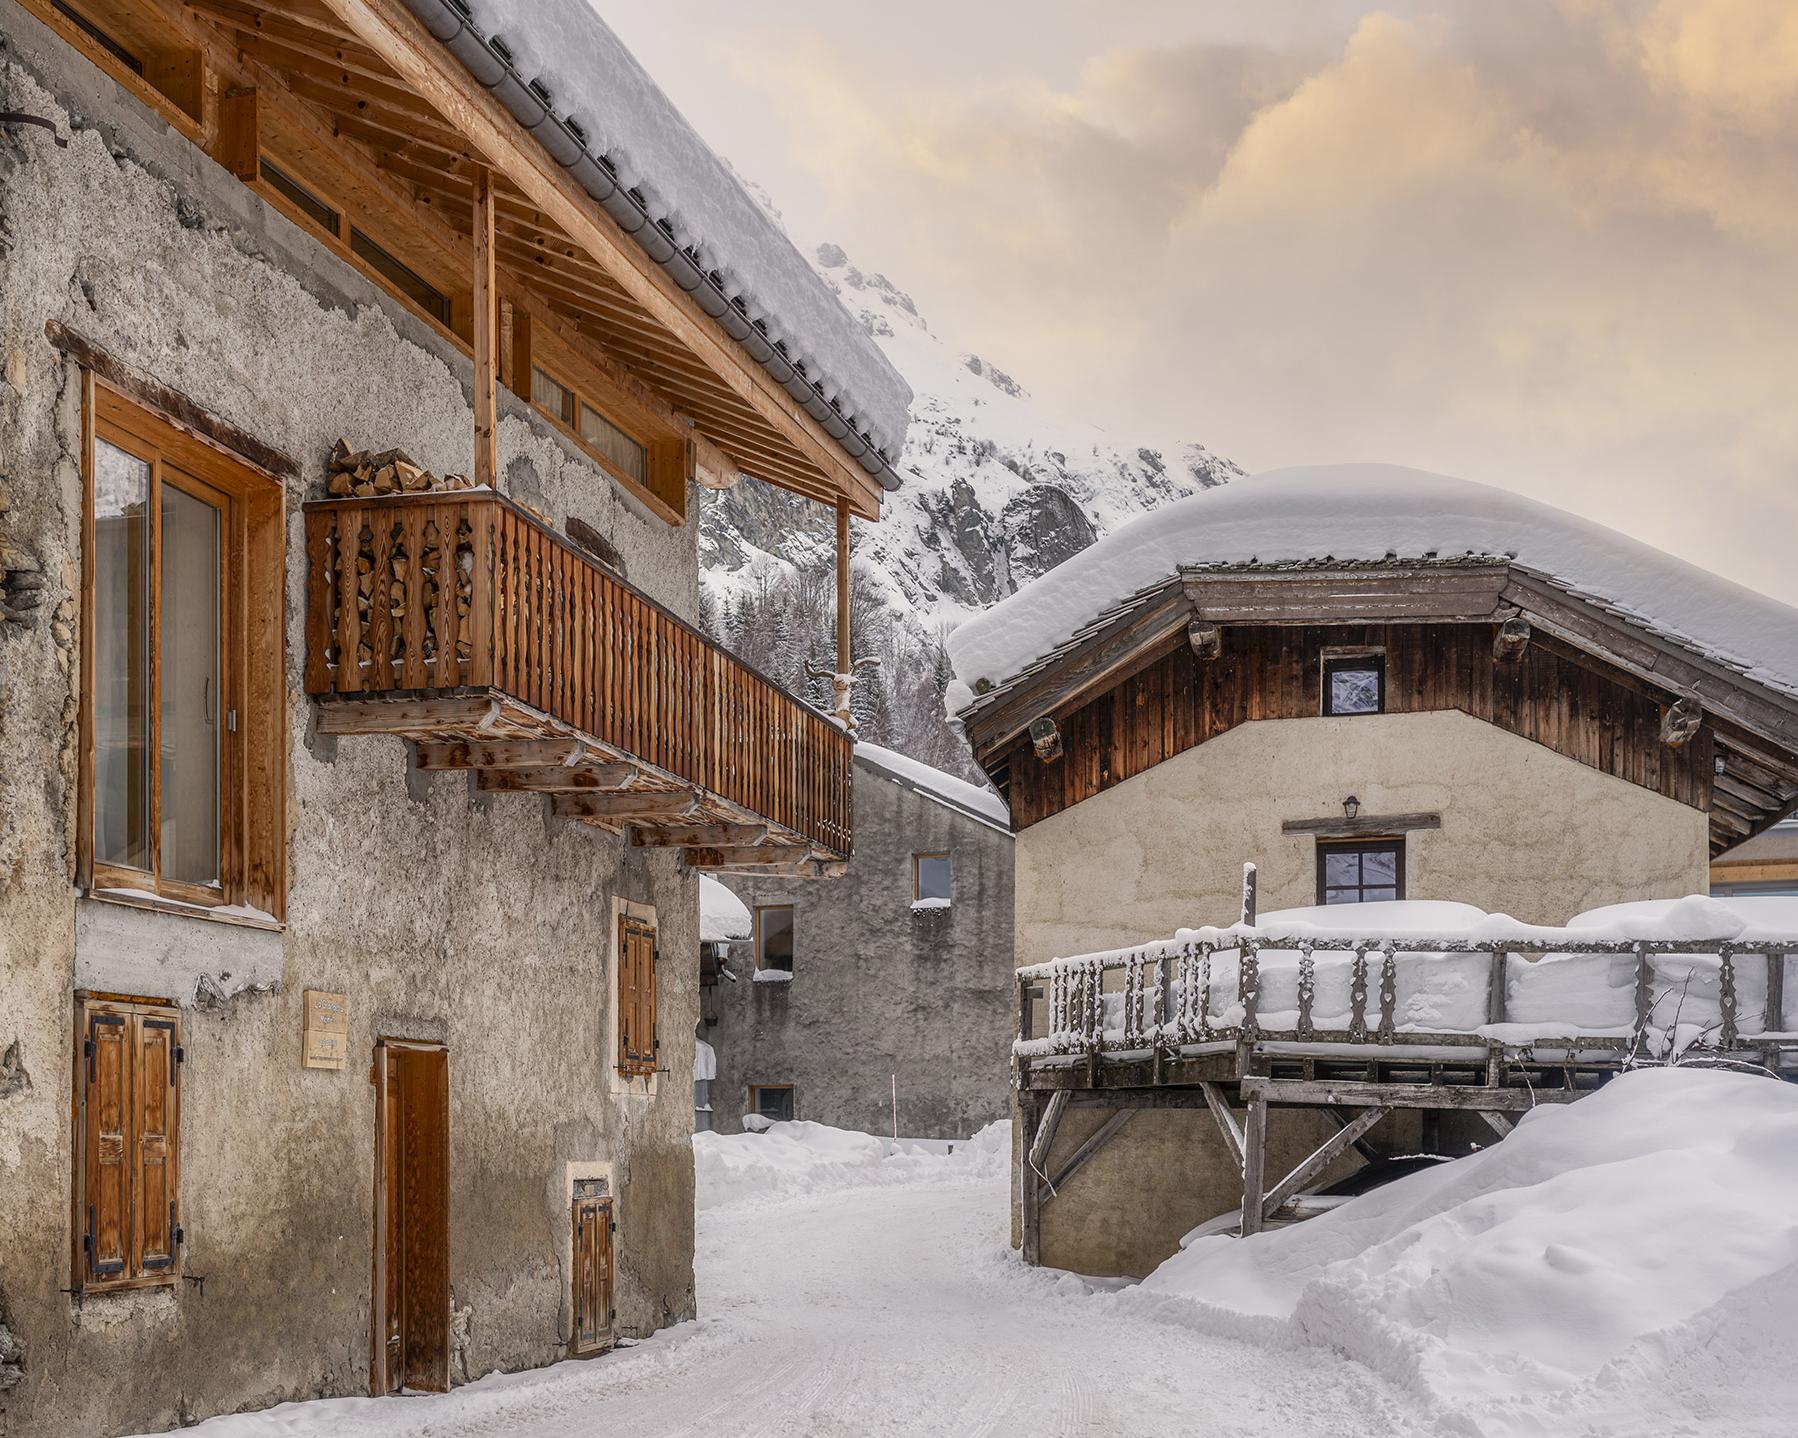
(513, 748)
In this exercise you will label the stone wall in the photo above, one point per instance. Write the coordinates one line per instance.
(445, 914)
(880, 991)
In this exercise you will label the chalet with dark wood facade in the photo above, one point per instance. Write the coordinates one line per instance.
(1372, 685)
(359, 751)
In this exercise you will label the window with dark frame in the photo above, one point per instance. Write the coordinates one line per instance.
(1355, 684)
(127, 1144)
(932, 877)
(774, 937)
(772, 1101)
(1363, 872)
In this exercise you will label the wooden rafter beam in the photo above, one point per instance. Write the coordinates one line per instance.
(388, 30)
(596, 779)
(506, 754)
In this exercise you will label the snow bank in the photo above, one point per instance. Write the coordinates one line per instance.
(958, 793)
(1649, 1223)
(595, 81)
(722, 915)
(796, 1160)
(1375, 512)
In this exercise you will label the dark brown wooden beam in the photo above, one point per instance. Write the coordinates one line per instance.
(627, 807)
(561, 779)
(701, 836)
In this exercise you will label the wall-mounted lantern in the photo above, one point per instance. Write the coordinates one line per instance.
(1351, 806)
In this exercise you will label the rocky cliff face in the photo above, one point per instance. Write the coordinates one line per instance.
(996, 492)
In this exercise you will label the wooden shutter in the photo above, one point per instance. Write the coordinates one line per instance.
(153, 1108)
(108, 1176)
(128, 1175)
(636, 996)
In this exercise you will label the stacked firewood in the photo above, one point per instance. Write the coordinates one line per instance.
(354, 473)
(365, 474)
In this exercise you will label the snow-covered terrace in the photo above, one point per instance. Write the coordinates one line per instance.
(1434, 982)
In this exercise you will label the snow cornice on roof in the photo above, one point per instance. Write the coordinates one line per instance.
(1366, 519)
(566, 78)
(969, 800)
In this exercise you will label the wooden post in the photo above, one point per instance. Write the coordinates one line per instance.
(486, 336)
(1254, 1164)
(843, 681)
(239, 148)
(1248, 895)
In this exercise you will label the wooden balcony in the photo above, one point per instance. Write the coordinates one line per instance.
(548, 674)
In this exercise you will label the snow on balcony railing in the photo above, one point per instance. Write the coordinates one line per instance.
(1651, 989)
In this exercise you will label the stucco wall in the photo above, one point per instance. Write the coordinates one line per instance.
(1524, 831)
(880, 991)
(445, 914)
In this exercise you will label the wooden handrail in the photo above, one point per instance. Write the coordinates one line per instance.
(538, 619)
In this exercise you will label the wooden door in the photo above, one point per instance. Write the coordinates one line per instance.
(411, 1262)
(592, 1275)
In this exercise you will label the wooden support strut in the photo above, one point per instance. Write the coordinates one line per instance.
(1318, 1160)
(486, 335)
(1031, 1181)
(1254, 1163)
(1226, 1121)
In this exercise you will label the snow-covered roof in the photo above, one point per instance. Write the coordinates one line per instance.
(1375, 513)
(699, 202)
(970, 799)
(722, 915)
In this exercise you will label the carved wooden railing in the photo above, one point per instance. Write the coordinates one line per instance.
(1174, 996)
(532, 616)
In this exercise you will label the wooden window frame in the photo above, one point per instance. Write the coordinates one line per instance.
(756, 1090)
(1380, 844)
(132, 1013)
(761, 909)
(253, 756)
(636, 1060)
(1335, 661)
(917, 866)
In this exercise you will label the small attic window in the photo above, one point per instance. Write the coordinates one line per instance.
(1355, 684)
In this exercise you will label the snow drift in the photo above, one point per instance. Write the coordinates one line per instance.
(1643, 1237)
(1373, 512)
(799, 1159)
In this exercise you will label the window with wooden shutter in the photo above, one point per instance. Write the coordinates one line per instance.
(636, 996)
(127, 1150)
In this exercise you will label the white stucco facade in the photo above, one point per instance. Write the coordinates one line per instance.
(1524, 830)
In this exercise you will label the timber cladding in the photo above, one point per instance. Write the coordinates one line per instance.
(1178, 701)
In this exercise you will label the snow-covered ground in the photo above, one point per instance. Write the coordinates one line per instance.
(848, 1293)
(1623, 1266)
(1626, 1264)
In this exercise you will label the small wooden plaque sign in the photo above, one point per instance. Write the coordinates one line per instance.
(327, 1037)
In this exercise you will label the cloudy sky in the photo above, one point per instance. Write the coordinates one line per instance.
(1548, 244)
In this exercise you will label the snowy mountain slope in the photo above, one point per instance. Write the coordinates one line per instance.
(997, 491)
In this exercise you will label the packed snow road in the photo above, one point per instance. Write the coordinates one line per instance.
(895, 1309)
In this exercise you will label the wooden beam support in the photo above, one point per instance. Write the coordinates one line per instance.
(1254, 1163)
(1344, 1117)
(1226, 1121)
(724, 856)
(560, 779)
(239, 147)
(500, 753)
(1089, 1150)
(486, 336)
(699, 836)
(1320, 1158)
(1333, 1093)
(411, 716)
(1497, 1122)
(627, 807)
